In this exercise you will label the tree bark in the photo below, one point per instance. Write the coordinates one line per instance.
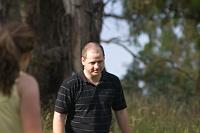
(9, 11)
(62, 28)
(198, 84)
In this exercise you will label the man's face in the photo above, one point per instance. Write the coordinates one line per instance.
(94, 62)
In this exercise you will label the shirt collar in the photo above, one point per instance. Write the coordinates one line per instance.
(82, 75)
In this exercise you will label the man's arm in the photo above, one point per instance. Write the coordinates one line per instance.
(59, 122)
(122, 119)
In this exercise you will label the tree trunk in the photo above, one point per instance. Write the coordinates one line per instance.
(198, 84)
(9, 11)
(62, 28)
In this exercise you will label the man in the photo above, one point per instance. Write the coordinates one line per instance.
(87, 98)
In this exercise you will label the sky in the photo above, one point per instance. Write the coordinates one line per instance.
(117, 59)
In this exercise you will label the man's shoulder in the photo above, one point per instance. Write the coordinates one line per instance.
(73, 79)
(110, 76)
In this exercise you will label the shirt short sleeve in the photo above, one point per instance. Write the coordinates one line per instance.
(63, 100)
(119, 101)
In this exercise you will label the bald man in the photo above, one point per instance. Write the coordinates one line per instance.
(85, 101)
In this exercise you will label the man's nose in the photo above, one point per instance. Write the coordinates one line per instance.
(96, 65)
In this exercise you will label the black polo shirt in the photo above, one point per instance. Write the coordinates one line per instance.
(88, 107)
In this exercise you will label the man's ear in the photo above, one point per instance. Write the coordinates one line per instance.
(82, 60)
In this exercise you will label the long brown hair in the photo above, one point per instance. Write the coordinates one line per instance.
(14, 41)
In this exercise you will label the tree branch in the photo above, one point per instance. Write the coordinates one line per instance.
(107, 15)
(120, 43)
(177, 68)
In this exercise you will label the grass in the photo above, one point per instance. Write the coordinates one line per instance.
(159, 116)
(152, 115)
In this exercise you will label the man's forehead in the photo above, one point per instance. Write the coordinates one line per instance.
(93, 48)
(94, 52)
(92, 55)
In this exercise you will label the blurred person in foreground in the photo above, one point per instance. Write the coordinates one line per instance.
(19, 93)
(85, 101)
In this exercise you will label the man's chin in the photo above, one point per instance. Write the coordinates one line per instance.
(96, 73)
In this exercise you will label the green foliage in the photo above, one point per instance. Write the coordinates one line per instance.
(132, 78)
(198, 45)
(169, 62)
(23, 3)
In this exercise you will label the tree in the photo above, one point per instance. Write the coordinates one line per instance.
(170, 60)
(62, 28)
(9, 11)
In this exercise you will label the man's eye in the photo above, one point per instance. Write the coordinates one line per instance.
(99, 62)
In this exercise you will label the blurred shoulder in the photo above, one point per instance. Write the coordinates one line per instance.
(73, 79)
(26, 82)
(26, 78)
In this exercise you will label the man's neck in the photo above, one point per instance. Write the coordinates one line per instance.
(93, 79)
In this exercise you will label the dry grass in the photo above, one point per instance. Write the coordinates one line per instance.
(155, 115)
(160, 116)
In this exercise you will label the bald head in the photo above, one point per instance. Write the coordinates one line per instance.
(92, 46)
